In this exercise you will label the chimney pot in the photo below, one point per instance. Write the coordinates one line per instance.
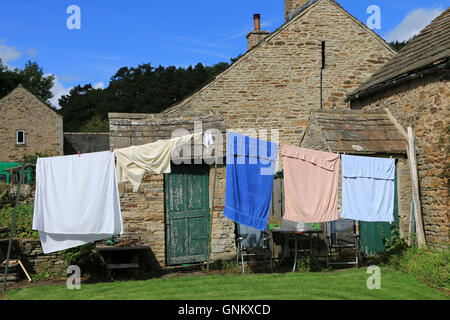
(257, 20)
(256, 36)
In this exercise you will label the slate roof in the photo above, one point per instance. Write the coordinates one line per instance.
(360, 132)
(428, 49)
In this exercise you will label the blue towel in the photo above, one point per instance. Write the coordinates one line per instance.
(368, 188)
(249, 184)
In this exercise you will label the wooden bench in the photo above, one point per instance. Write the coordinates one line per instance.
(111, 255)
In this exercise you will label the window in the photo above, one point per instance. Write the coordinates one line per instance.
(20, 137)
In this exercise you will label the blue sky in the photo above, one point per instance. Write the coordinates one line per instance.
(178, 32)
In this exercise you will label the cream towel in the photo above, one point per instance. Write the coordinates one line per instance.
(134, 161)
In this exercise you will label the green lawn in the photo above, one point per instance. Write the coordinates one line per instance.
(349, 284)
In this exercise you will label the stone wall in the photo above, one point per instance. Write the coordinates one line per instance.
(30, 253)
(36, 262)
(424, 105)
(85, 142)
(20, 110)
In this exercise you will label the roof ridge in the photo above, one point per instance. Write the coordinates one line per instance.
(422, 51)
(305, 9)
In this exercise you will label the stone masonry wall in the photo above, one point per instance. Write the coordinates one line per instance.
(275, 85)
(85, 142)
(143, 212)
(424, 105)
(20, 110)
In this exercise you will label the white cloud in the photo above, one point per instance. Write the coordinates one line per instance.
(9, 53)
(58, 91)
(412, 24)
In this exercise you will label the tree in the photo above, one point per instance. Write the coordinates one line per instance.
(31, 77)
(96, 124)
(144, 89)
(398, 45)
(79, 106)
(9, 79)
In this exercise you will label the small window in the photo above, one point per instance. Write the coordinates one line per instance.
(20, 137)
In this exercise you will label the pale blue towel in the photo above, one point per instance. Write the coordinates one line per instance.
(368, 188)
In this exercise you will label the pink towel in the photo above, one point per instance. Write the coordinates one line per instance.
(311, 181)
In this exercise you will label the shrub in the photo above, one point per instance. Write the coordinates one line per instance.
(6, 199)
(84, 257)
(24, 222)
(429, 266)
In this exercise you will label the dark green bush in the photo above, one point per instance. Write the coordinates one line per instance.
(431, 267)
(85, 257)
(24, 222)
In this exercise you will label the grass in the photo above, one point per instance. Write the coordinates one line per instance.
(342, 285)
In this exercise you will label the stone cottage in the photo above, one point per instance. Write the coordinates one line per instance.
(27, 126)
(415, 87)
(318, 56)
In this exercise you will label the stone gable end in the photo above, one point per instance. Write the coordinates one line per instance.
(276, 84)
(20, 110)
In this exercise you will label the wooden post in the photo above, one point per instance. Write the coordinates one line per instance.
(212, 215)
(13, 224)
(415, 186)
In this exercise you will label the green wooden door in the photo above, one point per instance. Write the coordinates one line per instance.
(373, 233)
(187, 214)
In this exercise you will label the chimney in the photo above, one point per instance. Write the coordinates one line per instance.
(256, 36)
(291, 5)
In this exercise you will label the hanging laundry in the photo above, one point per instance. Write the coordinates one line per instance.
(208, 139)
(134, 161)
(368, 188)
(310, 184)
(76, 200)
(249, 180)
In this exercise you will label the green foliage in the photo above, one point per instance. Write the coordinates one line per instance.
(396, 244)
(31, 77)
(303, 263)
(83, 256)
(24, 222)
(229, 266)
(398, 45)
(143, 89)
(6, 199)
(96, 124)
(45, 274)
(32, 159)
(431, 267)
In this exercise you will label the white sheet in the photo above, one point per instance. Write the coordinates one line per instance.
(76, 200)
